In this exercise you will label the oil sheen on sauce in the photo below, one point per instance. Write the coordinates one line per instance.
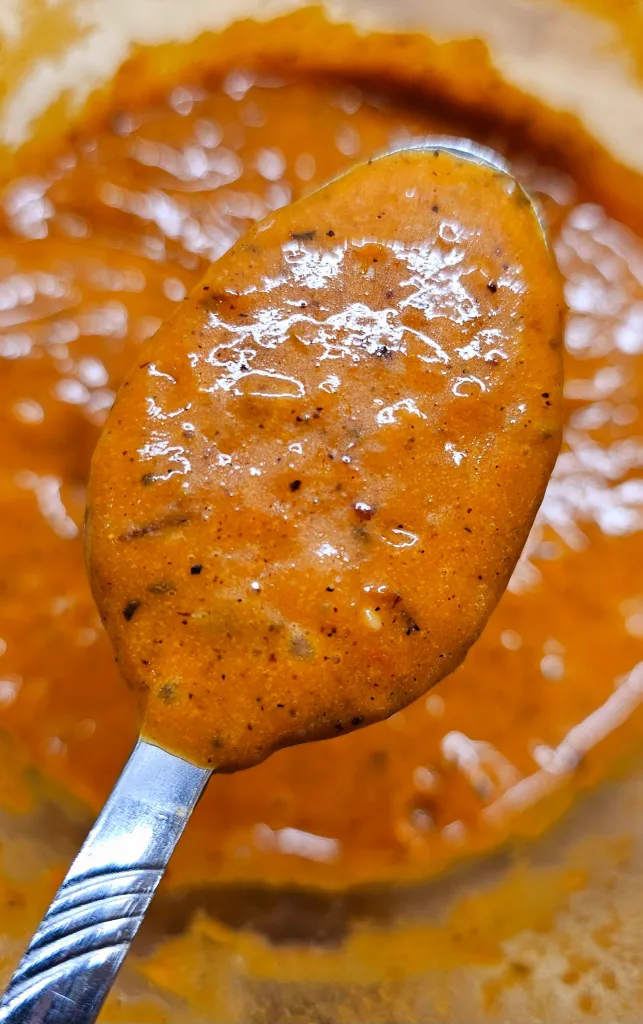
(317, 479)
(97, 246)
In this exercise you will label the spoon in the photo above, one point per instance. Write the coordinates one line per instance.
(308, 498)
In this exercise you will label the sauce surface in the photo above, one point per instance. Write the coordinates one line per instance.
(97, 246)
(313, 488)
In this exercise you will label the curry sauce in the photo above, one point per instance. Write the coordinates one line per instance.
(99, 243)
(316, 482)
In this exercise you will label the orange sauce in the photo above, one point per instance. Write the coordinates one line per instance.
(318, 477)
(98, 243)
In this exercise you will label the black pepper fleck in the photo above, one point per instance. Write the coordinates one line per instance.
(129, 609)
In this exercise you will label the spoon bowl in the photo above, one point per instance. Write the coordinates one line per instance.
(317, 479)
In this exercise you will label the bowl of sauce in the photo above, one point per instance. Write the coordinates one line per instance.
(106, 226)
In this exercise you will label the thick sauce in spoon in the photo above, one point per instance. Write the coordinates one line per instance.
(316, 480)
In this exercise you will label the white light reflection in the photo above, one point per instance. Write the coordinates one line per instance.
(436, 280)
(25, 297)
(456, 455)
(561, 761)
(388, 414)
(27, 207)
(208, 133)
(331, 384)
(70, 391)
(155, 412)
(355, 331)
(127, 847)
(483, 346)
(271, 164)
(15, 346)
(455, 833)
(237, 83)
(174, 453)
(210, 236)
(461, 390)
(182, 98)
(153, 371)
(434, 704)
(305, 166)
(9, 689)
(347, 140)
(47, 492)
(487, 771)
(326, 550)
(312, 268)
(92, 372)
(453, 231)
(28, 411)
(591, 483)
(298, 843)
(406, 538)
(193, 167)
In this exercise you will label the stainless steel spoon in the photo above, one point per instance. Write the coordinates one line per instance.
(72, 960)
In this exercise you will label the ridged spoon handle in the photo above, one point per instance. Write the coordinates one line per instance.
(73, 958)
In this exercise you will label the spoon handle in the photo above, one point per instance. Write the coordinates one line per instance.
(73, 958)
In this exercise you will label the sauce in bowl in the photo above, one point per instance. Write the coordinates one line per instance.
(99, 242)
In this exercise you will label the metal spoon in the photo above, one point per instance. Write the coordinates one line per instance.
(72, 960)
